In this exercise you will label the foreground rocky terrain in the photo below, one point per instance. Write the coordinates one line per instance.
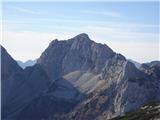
(76, 79)
(150, 111)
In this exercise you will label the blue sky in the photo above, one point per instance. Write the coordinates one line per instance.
(130, 28)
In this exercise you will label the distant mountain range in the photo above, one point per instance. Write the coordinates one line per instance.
(137, 64)
(33, 62)
(27, 63)
(77, 79)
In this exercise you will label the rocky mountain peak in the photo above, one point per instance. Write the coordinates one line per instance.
(80, 78)
(81, 39)
(53, 42)
(82, 36)
(77, 53)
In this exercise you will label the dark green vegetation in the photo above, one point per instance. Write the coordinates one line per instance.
(150, 111)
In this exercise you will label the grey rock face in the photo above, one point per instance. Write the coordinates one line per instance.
(78, 53)
(78, 60)
(125, 89)
(51, 58)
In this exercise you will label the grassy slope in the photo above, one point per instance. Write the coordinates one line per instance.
(148, 112)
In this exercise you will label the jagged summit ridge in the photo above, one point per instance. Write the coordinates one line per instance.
(80, 37)
(76, 53)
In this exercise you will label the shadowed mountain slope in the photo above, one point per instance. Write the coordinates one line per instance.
(19, 86)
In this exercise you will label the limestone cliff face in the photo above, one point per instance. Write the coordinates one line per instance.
(124, 89)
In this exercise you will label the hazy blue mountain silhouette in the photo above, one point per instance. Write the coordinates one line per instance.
(27, 63)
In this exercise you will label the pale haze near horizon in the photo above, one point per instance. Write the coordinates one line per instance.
(28, 28)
